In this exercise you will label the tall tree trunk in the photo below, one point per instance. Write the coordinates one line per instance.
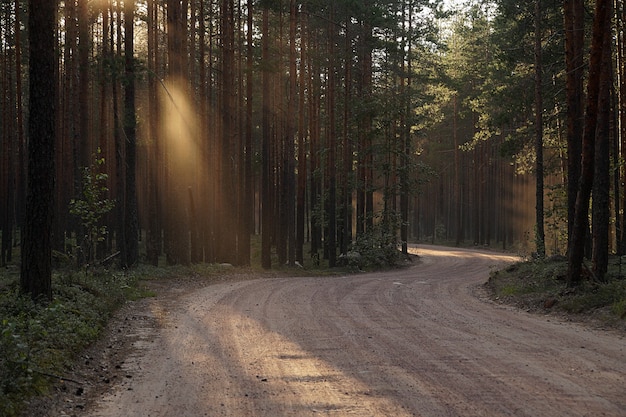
(266, 191)
(117, 139)
(228, 212)
(177, 222)
(248, 193)
(302, 165)
(332, 147)
(36, 268)
(573, 11)
(7, 162)
(153, 238)
(314, 88)
(405, 171)
(21, 145)
(601, 183)
(621, 53)
(130, 256)
(292, 109)
(84, 47)
(539, 228)
(581, 226)
(346, 187)
(458, 185)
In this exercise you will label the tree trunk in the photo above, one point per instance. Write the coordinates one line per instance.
(601, 183)
(581, 226)
(266, 196)
(332, 186)
(36, 268)
(153, 239)
(540, 239)
(84, 47)
(573, 11)
(130, 255)
(228, 213)
(302, 166)
(292, 109)
(177, 222)
(621, 53)
(21, 145)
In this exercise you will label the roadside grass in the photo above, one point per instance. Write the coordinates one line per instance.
(540, 286)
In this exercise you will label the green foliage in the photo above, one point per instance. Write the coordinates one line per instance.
(619, 308)
(37, 340)
(539, 285)
(374, 249)
(91, 206)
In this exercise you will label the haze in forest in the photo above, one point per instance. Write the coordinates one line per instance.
(291, 131)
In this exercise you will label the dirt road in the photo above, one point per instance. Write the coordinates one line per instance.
(414, 342)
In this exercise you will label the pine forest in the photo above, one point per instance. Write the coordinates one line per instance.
(285, 131)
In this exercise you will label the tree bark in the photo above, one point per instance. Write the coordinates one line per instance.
(581, 223)
(302, 163)
(573, 12)
(130, 255)
(266, 191)
(36, 268)
(601, 183)
(540, 239)
(331, 168)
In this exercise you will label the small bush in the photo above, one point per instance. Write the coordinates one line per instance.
(374, 250)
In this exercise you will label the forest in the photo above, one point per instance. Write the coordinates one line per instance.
(184, 131)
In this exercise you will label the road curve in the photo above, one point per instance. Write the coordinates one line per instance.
(412, 342)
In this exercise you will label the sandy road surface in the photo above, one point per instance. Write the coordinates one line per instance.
(415, 342)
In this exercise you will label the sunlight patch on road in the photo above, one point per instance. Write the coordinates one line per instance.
(265, 367)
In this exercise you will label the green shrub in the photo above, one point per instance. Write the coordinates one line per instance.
(375, 250)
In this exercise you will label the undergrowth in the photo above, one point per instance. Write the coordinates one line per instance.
(540, 285)
(38, 342)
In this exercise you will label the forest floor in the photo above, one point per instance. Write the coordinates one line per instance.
(427, 340)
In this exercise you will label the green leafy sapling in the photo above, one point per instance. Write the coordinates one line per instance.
(91, 206)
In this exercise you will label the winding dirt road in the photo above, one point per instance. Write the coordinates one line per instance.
(414, 342)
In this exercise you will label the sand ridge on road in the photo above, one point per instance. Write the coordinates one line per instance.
(410, 342)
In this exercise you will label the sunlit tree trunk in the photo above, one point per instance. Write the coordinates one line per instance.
(153, 233)
(177, 222)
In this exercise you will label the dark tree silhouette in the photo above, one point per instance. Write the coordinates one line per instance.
(36, 272)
